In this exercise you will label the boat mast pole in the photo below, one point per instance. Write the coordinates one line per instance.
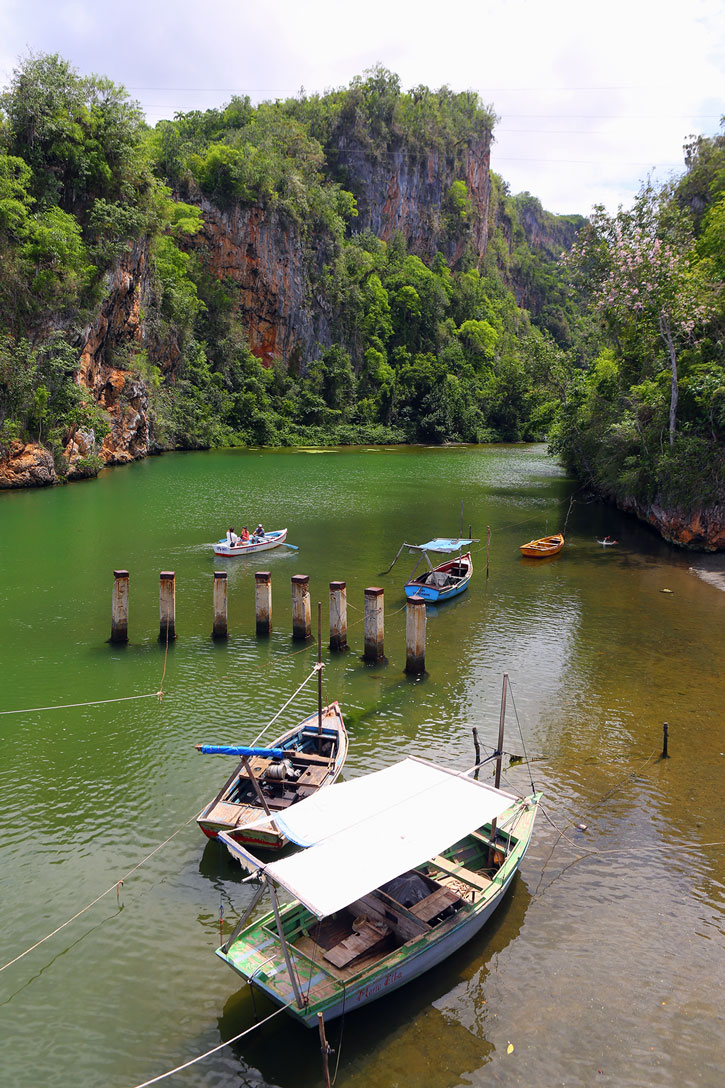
(499, 760)
(319, 673)
(285, 950)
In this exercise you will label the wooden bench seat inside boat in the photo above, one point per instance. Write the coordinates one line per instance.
(466, 876)
(427, 909)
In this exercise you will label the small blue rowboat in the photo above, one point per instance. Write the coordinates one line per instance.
(446, 580)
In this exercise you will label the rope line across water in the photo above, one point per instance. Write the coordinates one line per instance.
(200, 1057)
(93, 702)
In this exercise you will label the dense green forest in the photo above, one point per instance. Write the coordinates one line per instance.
(422, 352)
(615, 353)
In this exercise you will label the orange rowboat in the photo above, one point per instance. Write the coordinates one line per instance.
(545, 545)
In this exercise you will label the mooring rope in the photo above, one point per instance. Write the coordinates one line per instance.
(214, 1050)
(116, 884)
(93, 702)
(318, 666)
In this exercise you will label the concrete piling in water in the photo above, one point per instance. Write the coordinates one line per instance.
(415, 635)
(374, 624)
(263, 601)
(119, 607)
(338, 616)
(219, 629)
(301, 615)
(167, 606)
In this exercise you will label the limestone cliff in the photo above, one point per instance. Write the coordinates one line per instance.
(406, 191)
(108, 347)
(262, 253)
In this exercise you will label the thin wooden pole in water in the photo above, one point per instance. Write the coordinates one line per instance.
(319, 673)
(477, 748)
(488, 548)
(499, 760)
(665, 735)
(324, 1048)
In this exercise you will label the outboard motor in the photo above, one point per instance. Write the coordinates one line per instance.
(279, 770)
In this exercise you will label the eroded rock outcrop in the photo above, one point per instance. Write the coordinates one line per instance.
(109, 345)
(27, 464)
(698, 530)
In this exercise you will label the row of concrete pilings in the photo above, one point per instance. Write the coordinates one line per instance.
(374, 614)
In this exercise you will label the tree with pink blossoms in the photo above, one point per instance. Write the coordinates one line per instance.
(640, 272)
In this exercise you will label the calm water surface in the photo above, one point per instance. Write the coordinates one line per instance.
(604, 965)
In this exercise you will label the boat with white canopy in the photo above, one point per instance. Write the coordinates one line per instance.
(397, 870)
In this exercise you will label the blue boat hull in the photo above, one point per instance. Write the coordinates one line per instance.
(434, 594)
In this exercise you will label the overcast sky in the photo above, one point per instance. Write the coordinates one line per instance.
(592, 97)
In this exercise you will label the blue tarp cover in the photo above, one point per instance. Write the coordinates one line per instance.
(445, 544)
(241, 750)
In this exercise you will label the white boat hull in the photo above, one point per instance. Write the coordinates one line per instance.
(269, 541)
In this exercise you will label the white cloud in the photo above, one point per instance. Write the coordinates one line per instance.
(591, 97)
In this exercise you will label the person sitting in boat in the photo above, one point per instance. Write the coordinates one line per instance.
(245, 535)
(232, 537)
(258, 533)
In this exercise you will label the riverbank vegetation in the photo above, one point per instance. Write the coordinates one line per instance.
(644, 419)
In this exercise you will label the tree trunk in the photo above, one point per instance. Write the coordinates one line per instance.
(666, 335)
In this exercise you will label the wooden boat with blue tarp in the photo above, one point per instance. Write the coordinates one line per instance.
(268, 780)
(398, 869)
(445, 580)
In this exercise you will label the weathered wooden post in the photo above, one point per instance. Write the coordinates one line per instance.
(301, 614)
(338, 616)
(220, 605)
(374, 624)
(325, 1049)
(263, 601)
(415, 635)
(167, 605)
(665, 735)
(119, 608)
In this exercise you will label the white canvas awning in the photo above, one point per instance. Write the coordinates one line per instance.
(363, 833)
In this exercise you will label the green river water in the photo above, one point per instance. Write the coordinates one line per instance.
(604, 965)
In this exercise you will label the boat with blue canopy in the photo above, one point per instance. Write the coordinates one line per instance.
(447, 579)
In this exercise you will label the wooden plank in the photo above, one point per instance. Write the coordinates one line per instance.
(312, 776)
(434, 903)
(467, 876)
(363, 940)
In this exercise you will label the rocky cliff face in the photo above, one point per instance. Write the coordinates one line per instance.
(106, 347)
(406, 192)
(117, 333)
(262, 254)
(698, 530)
